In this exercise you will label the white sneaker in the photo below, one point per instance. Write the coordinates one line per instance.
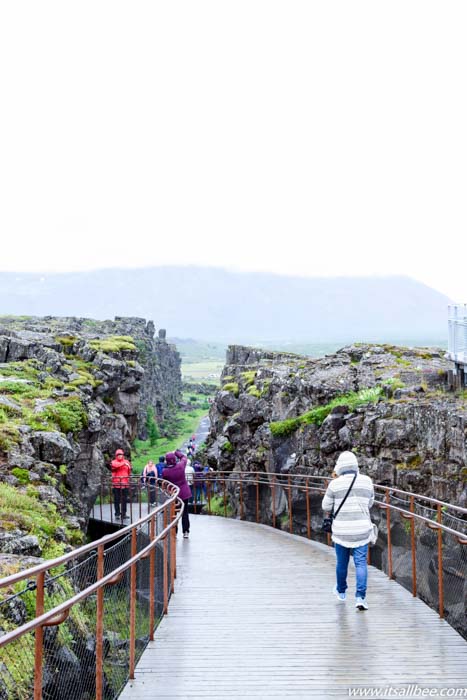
(340, 596)
(360, 604)
(185, 535)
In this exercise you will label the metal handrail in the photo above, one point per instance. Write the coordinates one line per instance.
(170, 490)
(172, 510)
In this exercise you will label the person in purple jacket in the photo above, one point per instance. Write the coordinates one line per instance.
(175, 473)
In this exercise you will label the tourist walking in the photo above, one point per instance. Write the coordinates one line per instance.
(190, 475)
(175, 473)
(149, 479)
(199, 483)
(121, 470)
(160, 466)
(350, 496)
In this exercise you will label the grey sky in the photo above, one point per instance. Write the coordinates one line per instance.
(316, 138)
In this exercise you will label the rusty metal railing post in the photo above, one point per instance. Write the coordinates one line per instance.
(39, 636)
(273, 500)
(388, 525)
(412, 545)
(166, 563)
(257, 498)
(242, 515)
(99, 623)
(111, 493)
(290, 504)
(133, 604)
(308, 520)
(152, 557)
(440, 563)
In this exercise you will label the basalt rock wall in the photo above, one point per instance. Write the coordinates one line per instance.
(71, 391)
(282, 413)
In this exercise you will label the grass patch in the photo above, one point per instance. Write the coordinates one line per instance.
(186, 425)
(23, 509)
(317, 415)
(217, 507)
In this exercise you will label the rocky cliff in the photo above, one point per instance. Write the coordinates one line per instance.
(279, 412)
(72, 391)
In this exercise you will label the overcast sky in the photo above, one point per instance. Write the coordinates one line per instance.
(315, 138)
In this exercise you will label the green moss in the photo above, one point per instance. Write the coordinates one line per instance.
(114, 343)
(248, 377)
(285, 427)
(404, 363)
(228, 378)
(232, 387)
(394, 383)
(66, 340)
(21, 474)
(9, 435)
(227, 447)
(23, 389)
(63, 469)
(52, 383)
(254, 391)
(69, 414)
(25, 369)
(26, 511)
(317, 415)
(414, 461)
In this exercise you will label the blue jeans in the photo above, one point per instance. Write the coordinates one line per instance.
(342, 564)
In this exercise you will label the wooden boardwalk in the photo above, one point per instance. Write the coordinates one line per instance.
(253, 616)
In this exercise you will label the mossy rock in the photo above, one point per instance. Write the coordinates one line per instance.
(114, 344)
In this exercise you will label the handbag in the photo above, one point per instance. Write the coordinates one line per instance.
(327, 522)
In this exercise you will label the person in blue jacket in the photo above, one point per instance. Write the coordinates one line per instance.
(160, 466)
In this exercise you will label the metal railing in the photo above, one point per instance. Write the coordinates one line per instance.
(74, 627)
(80, 623)
(421, 540)
(457, 340)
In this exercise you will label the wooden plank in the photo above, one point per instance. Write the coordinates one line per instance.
(253, 616)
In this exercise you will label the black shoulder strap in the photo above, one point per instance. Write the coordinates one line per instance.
(345, 497)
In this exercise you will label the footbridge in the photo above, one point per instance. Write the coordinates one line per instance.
(244, 607)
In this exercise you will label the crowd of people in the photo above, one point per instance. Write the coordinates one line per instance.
(178, 468)
(351, 533)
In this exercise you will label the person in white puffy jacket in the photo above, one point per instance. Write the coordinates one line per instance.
(352, 529)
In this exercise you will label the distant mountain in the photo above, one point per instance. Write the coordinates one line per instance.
(212, 303)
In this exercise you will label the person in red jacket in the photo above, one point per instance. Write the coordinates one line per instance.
(121, 470)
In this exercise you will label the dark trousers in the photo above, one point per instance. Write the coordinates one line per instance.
(120, 501)
(185, 517)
